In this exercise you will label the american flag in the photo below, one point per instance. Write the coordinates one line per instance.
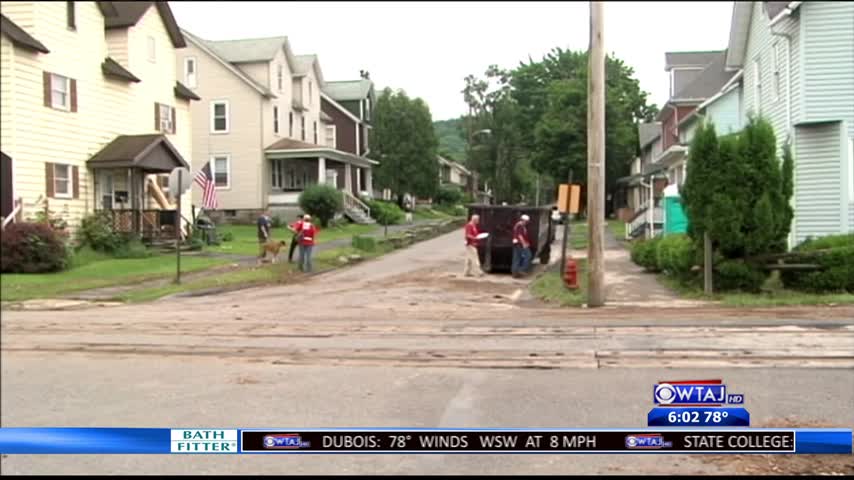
(205, 180)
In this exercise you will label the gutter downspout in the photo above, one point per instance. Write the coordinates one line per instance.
(790, 137)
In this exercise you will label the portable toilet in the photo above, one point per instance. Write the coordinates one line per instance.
(675, 220)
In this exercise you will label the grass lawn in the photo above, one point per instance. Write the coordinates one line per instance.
(549, 287)
(424, 213)
(618, 228)
(773, 295)
(578, 235)
(245, 241)
(91, 270)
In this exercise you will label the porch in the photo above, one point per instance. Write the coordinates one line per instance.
(131, 181)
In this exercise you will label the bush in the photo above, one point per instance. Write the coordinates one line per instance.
(32, 248)
(322, 202)
(644, 254)
(227, 237)
(449, 195)
(276, 221)
(386, 213)
(133, 249)
(676, 255)
(735, 275)
(97, 232)
(834, 254)
(367, 244)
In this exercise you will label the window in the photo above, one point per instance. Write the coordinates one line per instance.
(315, 133)
(221, 170)
(302, 125)
(276, 120)
(775, 69)
(277, 173)
(368, 108)
(190, 72)
(151, 53)
(61, 180)
(291, 124)
(219, 117)
(757, 87)
(165, 118)
(310, 93)
(71, 15)
(163, 182)
(60, 90)
(330, 136)
(279, 76)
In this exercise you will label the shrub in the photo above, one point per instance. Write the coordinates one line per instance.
(830, 241)
(133, 249)
(386, 213)
(276, 221)
(32, 248)
(736, 275)
(449, 195)
(644, 254)
(676, 255)
(97, 232)
(322, 202)
(227, 237)
(834, 254)
(367, 244)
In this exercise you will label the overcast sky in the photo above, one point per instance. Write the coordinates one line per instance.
(427, 48)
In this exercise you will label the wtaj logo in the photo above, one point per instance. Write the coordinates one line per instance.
(648, 441)
(285, 441)
(694, 393)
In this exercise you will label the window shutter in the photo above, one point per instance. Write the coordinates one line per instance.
(47, 100)
(48, 179)
(73, 88)
(156, 117)
(174, 118)
(75, 179)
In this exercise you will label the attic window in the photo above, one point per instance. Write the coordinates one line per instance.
(151, 50)
(71, 15)
(279, 76)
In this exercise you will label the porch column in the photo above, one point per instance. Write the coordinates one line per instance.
(358, 180)
(348, 178)
(321, 170)
(369, 181)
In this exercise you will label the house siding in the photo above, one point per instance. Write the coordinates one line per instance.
(345, 134)
(242, 143)
(724, 113)
(818, 191)
(828, 80)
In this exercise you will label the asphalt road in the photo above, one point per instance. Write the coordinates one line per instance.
(403, 341)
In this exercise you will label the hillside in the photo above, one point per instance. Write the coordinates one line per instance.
(452, 143)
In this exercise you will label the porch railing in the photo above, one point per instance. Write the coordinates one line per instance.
(12, 217)
(351, 202)
(150, 224)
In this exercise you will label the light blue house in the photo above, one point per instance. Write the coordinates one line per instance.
(796, 64)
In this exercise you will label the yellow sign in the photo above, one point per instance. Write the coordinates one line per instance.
(568, 197)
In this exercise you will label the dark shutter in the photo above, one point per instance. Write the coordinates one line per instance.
(47, 100)
(156, 117)
(174, 118)
(73, 87)
(75, 181)
(48, 179)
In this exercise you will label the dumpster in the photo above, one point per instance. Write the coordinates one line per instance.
(675, 220)
(496, 252)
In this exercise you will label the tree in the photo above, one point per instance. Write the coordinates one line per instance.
(405, 144)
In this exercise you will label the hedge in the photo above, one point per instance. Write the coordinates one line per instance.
(736, 275)
(675, 255)
(32, 248)
(644, 254)
(834, 254)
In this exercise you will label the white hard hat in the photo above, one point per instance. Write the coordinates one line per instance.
(525, 217)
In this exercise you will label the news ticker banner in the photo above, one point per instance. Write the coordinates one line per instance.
(421, 441)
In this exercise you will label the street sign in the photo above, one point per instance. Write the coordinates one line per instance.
(568, 198)
(175, 187)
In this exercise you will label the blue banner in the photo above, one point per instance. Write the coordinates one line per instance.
(823, 441)
(698, 417)
(84, 440)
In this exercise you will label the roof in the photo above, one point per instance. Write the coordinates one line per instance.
(181, 91)
(20, 37)
(114, 69)
(304, 63)
(247, 50)
(325, 117)
(128, 14)
(774, 8)
(739, 28)
(150, 152)
(347, 90)
(207, 48)
(324, 97)
(648, 132)
(290, 148)
(689, 59)
(291, 144)
(451, 163)
(708, 82)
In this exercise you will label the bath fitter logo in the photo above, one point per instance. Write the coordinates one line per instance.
(204, 441)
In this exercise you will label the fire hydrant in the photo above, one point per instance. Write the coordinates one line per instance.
(570, 274)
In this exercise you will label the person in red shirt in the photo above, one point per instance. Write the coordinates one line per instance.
(521, 247)
(294, 228)
(307, 238)
(472, 259)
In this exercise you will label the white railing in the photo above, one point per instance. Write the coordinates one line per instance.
(353, 203)
(19, 206)
(643, 219)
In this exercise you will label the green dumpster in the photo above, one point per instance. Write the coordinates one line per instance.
(675, 220)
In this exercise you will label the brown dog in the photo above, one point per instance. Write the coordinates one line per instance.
(272, 247)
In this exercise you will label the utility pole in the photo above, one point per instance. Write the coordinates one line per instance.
(596, 158)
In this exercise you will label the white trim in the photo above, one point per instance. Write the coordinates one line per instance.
(757, 85)
(227, 65)
(69, 181)
(776, 75)
(339, 107)
(850, 172)
(227, 157)
(195, 82)
(358, 145)
(227, 130)
(67, 106)
(334, 130)
(785, 13)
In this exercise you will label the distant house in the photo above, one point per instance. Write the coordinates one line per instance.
(453, 173)
(93, 115)
(797, 64)
(265, 130)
